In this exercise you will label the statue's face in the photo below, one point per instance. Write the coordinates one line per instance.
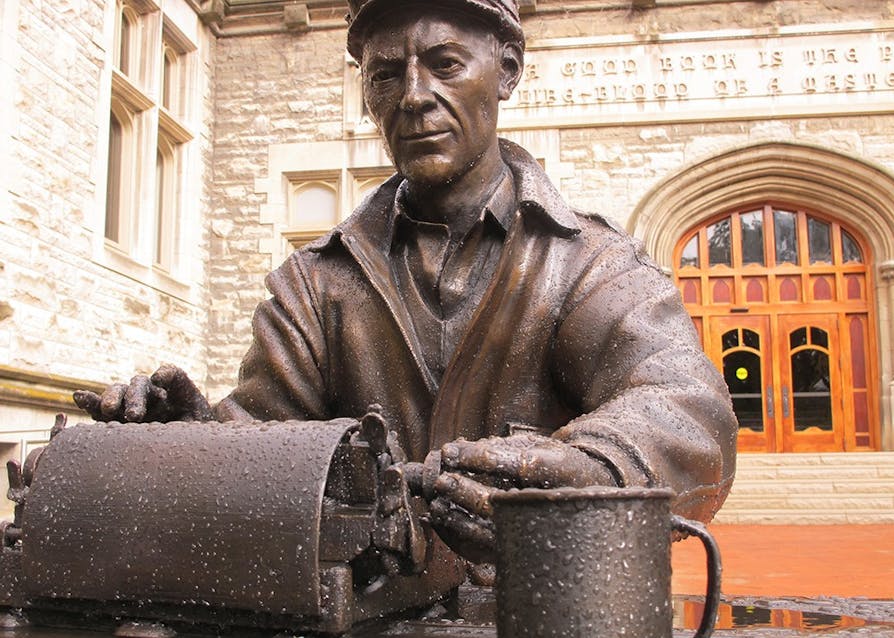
(433, 82)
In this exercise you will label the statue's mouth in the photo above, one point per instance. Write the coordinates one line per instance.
(423, 135)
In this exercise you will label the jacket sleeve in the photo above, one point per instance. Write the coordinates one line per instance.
(283, 374)
(654, 408)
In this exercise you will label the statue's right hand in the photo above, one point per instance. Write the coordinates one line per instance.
(168, 395)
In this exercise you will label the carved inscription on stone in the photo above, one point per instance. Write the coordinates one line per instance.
(705, 75)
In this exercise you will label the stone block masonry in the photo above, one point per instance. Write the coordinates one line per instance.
(64, 312)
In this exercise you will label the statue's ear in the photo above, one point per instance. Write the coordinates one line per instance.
(512, 62)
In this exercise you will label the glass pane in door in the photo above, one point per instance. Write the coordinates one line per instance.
(786, 228)
(752, 237)
(742, 372)
(719, 246)
(811, 391)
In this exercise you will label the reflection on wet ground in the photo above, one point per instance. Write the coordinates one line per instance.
(471, 615)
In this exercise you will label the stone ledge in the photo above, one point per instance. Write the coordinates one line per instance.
(41, 390)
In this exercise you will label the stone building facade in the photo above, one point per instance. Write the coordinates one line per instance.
(725, 134)
(78, 308)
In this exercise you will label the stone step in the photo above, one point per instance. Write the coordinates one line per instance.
(811, 473)
(815, 502)
(811, 489)
(803, 517)
(832, 485)
(855, 459)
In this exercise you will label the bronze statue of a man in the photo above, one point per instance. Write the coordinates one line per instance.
(533, 344)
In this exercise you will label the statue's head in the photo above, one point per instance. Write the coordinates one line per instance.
(501, 15)
(434, 73)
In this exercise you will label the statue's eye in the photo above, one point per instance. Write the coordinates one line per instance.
(382, 75)
(447, 64)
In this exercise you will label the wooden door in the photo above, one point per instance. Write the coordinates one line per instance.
(742, 348)
(810, 392)
(782, 299)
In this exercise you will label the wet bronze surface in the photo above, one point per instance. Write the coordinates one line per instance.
(474, 616)
(463, 333)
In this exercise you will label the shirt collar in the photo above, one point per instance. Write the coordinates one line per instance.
(499, 210)
(374, 222)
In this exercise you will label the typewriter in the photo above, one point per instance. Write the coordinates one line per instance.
(240, 528)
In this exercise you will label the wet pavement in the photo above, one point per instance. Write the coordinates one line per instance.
(844, 561)
(739, 617)
(779, 582)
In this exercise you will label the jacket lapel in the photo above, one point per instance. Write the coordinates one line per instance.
(461, 405)
(366, 235)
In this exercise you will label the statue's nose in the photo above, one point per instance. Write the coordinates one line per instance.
(418, 95)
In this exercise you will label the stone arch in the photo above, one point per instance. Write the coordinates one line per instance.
(857, 192)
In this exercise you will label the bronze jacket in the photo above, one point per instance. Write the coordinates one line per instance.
(579, 333)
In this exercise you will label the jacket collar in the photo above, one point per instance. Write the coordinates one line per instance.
(372, 223)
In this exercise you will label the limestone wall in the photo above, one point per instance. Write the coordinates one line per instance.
(290, 88)
(269, 90)
(63, 311)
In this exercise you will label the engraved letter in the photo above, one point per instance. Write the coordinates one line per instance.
(709, 61)
(851, 55)
(809, 85)
(630, 66)
(667, 64)
(681, 90)
(569, 69)
(770, 59)
(809, 57)
(661, 91)
(532, 72)
(610, 67)
(887, 53)
(773, 87)
(870, 80)
(830, 56)
(588, 68)
(687, 63)
(729, 60)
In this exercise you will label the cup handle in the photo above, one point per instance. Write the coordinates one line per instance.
(712, 596)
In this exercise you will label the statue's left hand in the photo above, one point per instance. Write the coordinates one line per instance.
(168, 395)
(473, 470)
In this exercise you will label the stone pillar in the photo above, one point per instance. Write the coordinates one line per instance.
(885, 296)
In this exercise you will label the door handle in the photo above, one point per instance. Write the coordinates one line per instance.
(771, 409)
(786, 412)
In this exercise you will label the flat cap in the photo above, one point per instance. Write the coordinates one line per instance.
(501, 14)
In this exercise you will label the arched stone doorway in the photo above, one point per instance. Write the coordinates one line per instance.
(850, 197)
(782, 299)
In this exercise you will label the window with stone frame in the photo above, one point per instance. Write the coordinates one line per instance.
(318, 200)
(173, 136)
(148, 140)
(313, 206)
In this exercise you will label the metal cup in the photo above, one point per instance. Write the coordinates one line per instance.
(591, 562)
